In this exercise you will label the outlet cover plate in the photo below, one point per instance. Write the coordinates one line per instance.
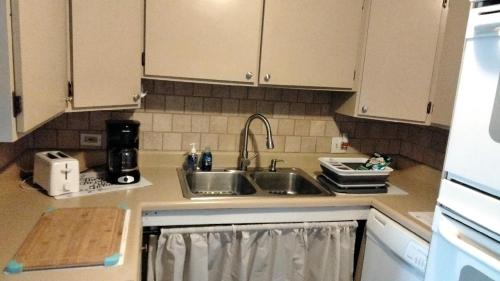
(90, 139)
(337, 145)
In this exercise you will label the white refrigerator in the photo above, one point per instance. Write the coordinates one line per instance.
(465, 244)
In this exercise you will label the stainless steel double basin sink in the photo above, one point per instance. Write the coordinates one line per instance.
(235, 183)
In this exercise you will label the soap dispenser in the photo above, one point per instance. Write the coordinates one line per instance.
(192, 159)
(206, 160)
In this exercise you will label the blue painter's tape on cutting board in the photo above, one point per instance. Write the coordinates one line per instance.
(14, 267)
(112, 260)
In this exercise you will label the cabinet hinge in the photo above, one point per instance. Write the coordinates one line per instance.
(429, 107)
(354, 76)
(70, 89)
(445, 3)
(143, 59)
(16, 104)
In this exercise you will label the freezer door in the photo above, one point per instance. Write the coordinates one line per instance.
(474, 144)
(460, 252)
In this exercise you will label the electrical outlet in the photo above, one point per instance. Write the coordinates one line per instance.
(90, 139)
(337, 145)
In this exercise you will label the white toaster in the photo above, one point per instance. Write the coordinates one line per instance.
(56, 172)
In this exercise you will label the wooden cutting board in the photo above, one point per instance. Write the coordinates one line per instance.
(72, 237)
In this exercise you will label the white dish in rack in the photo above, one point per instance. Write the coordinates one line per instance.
(345, 166)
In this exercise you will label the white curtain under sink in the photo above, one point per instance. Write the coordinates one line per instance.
(322, 251)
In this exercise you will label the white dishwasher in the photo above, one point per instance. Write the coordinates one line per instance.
(392, 252)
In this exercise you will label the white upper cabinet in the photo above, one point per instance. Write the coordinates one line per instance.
(33, 64)
(39, 41)
(450, 60)
(399, 59)
(107, 42)
(203, 40)
(310, 43)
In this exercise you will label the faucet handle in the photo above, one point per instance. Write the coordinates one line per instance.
(272, 167)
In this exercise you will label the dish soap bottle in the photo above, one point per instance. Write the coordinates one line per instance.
(192, 159)
(206, 160)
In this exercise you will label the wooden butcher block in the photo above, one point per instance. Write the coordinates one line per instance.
(71, 237)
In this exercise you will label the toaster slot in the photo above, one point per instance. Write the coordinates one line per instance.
(62, 155)
(52, 156)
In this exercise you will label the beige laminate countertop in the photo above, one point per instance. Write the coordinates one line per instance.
(21, 208)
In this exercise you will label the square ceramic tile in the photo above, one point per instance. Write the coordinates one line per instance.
(202, 90)
(323, 144)
(210, 140)
(286, 127)
(174, 104)
(212, 105)
(162, 122)
(292, 144)
(256, 93)
(235, 125)
(200, 123)
(281, 110)
(218, 124)
(308, 144)
(227, 142)
(302, 127)
(181, 123)
(155, 103)
(68, 139)
(317, 128)
(98, 119)
(172, 141)
(220, 91)
(183, 89)
(193, 105)
(78, 121)
(237, 92)
(152, 141)
(273, 94)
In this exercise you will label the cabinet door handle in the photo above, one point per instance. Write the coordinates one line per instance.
(364, 109)
(249, 75)
(267, 77)
(139, 96)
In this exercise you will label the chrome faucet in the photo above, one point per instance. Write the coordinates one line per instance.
(244, 160)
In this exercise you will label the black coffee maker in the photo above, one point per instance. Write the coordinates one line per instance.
(123, 146)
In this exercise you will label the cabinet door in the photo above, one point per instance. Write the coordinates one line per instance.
(450, 60)
(310, 43)
(399, 59)
(39, 37)
(207, 40)
(106, 52)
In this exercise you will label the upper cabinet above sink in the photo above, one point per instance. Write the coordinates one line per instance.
(203, 40)
(311, 44)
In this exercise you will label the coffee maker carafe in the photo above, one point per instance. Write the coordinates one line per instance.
(123, 145)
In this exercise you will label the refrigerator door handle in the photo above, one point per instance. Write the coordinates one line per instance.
(478, 245)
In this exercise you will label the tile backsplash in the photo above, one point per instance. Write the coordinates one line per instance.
(174, 114)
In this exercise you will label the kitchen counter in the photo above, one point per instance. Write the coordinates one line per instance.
(20, 208)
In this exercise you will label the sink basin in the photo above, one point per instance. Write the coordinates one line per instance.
(286, 182)
(235, 183)
(218, 183)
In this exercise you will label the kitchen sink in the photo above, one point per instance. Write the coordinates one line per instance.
(235, 183)
(219, 183)
(286, 182)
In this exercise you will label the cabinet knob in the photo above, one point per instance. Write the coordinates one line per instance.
(249, 75)
(267, 77)
(364, 109)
